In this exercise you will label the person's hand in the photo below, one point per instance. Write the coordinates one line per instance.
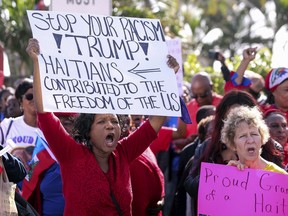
(153, 211)
(249, 54)
(172, 63)
(220, 57)
(238, 164)
(33, 49)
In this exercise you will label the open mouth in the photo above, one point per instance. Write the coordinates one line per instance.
(109, 139)
(251, 150)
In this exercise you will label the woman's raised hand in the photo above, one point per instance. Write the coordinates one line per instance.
(33, 49)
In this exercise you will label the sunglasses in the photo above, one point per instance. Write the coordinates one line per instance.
(195, 96)
(29, 96)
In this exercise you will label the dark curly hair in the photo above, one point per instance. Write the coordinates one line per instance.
(22, 88)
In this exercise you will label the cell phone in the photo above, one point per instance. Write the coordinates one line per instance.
(213, 55)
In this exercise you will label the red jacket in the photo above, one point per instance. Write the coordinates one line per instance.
(147, 182)
(86, 188)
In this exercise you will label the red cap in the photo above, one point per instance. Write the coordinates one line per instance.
(269, 111)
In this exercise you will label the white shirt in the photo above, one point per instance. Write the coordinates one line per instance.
(21, 133)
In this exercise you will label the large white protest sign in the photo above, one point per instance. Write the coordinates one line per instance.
(99, 64)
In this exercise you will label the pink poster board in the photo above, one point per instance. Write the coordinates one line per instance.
(226, 191)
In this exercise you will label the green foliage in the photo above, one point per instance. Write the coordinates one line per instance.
(128, 11)
(193, 66)
(15, 30)
(261, 65)
(284, 2)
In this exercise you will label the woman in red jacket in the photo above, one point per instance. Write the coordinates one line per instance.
(95, 174)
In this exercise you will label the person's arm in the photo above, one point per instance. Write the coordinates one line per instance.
(47, 120)
(180, 132)
(33, 51)
(225, 72)
(248, 55)
(157, 122)
(224, 69)
(191, 182)
(191, 185)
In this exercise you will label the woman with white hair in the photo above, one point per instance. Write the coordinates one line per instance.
(245, 132)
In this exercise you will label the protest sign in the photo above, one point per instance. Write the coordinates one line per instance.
(225, 190)
(175, 49)
(104, 64)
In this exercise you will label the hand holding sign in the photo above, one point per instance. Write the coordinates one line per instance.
(172, 63)
(33, 49)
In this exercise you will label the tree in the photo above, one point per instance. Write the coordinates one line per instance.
(14, 34)
(236, 21)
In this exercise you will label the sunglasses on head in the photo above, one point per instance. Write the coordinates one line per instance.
(29, 96)
(195, 96)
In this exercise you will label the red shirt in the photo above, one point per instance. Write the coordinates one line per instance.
(285, 161)
(162, 143)
(230, 84)
(193, 107)
(147, 183)
(86, 187)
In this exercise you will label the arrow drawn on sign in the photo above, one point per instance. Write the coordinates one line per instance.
(143, 71)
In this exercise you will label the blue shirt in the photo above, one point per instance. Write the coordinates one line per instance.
(51, 192)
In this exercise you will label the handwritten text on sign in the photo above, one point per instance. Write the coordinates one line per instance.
(91, 63)
(226, 191)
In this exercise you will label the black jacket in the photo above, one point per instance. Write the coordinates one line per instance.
(14, 168)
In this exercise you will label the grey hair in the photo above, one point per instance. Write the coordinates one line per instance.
(250, 115)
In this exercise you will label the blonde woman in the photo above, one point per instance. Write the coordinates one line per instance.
(245, 132)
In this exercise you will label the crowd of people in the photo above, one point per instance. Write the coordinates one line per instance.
(106, 164)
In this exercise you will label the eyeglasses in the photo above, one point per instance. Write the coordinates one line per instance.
(29, 96)
(195, 96)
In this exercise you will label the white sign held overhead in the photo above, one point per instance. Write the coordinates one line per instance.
(104, 64)
(100, 7)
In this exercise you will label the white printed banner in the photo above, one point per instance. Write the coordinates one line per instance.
(99, 64)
